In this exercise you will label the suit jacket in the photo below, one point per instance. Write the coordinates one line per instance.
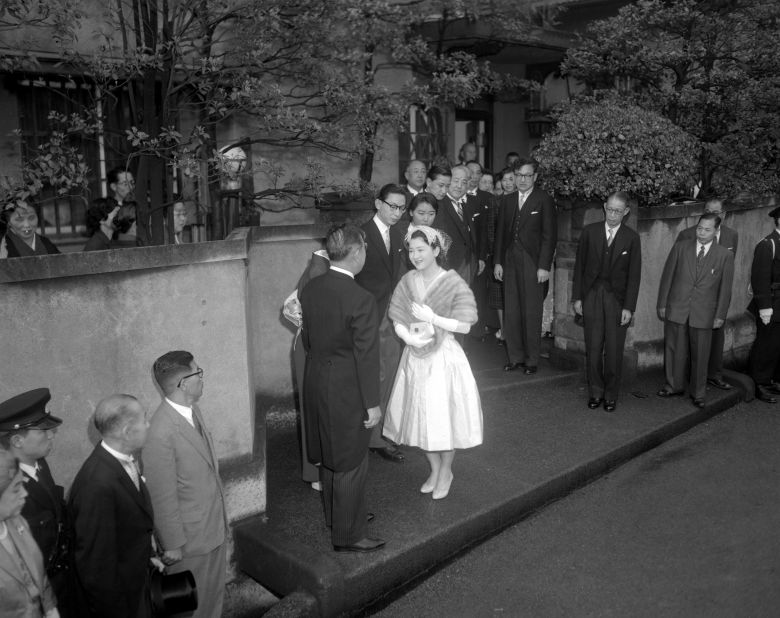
(538, 227)
(697, 299)
(341, 380)
(729, 238)
(382, 271)
(15, 601)
(46, 514)
(112, 544)
(462, 232)
(182, 475)
(764, 272)
(625, 266)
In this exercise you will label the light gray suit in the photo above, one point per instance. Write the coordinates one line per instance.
(182, 476)
(15, 601)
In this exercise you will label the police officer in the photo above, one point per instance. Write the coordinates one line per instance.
(765, 306)
(27, 431)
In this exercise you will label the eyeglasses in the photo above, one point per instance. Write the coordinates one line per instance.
(393, 206)
(524, 175)
(615, 211)
(198, 373)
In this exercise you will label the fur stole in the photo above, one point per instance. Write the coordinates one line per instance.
(449, 296)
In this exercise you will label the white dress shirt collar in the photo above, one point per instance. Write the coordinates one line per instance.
(706, 247)
(614, 230)
(122, 457)
(31, 471)
(183, 410)
(412, 190)
(381, 225)
(342, 271)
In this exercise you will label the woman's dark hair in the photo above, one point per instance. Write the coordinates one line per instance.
(438, 170)
(504, 172)
(9, 208)
(423, 198)
(97, 213)
(441, 259)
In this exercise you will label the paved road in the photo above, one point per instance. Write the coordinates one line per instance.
(689, 529)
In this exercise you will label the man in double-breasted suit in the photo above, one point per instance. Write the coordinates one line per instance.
(693, 298)
(526, 236)
(27, 430)
(112, 516)
(456, 218)
(728, 238)
(606, 285)
(341, 386)
(182, 473)
(385, 264)
(18, 551)
(765, 307)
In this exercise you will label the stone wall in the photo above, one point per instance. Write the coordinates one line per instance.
(658, 228)
(87, 325)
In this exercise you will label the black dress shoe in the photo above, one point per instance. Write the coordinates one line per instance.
(667, 393)
(773, 388)
(610, 405)
(513, 366)
(390, 453)
(595, 402)
(502, 343)
(698, 402)
(362, 546)
(719, 383)
(530, 370)
(763, 394)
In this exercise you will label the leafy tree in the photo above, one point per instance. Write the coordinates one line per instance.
(313, 75)
(601, 146)
(711, 66)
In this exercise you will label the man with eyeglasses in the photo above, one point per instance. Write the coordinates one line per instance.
(27, 431)
(526, 236)
(728, 238)
(606, 286)
(182, 474)
(384, 265)
(415, 179)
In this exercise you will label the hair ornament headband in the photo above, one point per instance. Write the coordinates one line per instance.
(435, 238)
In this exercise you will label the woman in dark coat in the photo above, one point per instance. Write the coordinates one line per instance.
(100, 224)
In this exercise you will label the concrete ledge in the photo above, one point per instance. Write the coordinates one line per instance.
(121, 260)
(299, 604)
(283, 565)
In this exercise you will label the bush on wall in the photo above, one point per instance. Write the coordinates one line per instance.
(599, 147)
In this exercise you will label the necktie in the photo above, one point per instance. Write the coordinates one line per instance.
(386, 235)
(699, 258)
(197, 425)
(132, 469)
(458, 207)
(521, 201)
(610, 236)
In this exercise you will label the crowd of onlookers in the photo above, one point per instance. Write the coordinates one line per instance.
(111, 221)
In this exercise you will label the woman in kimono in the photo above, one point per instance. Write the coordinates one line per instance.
(21, 239)
(318, 265)
(434, 404)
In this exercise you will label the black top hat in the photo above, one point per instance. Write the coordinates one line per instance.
(27, 411)
(775, 214)
(173, 593)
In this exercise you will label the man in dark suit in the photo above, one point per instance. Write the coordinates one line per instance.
(385, 263)
(182, 471)
(526, 236)
(456, 219)
(112, 516)
(728, 238)
(27, 431)
(606, 286)
(341, 386)
(415, 179)
(765, 306)
(479, 202)
(693, 298)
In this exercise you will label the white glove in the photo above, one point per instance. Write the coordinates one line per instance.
(765, 315)
(292, 309)
(423, 313)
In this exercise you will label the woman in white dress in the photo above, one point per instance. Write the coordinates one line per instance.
(434, 404)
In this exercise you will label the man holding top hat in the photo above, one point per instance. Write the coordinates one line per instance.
(27, 431)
